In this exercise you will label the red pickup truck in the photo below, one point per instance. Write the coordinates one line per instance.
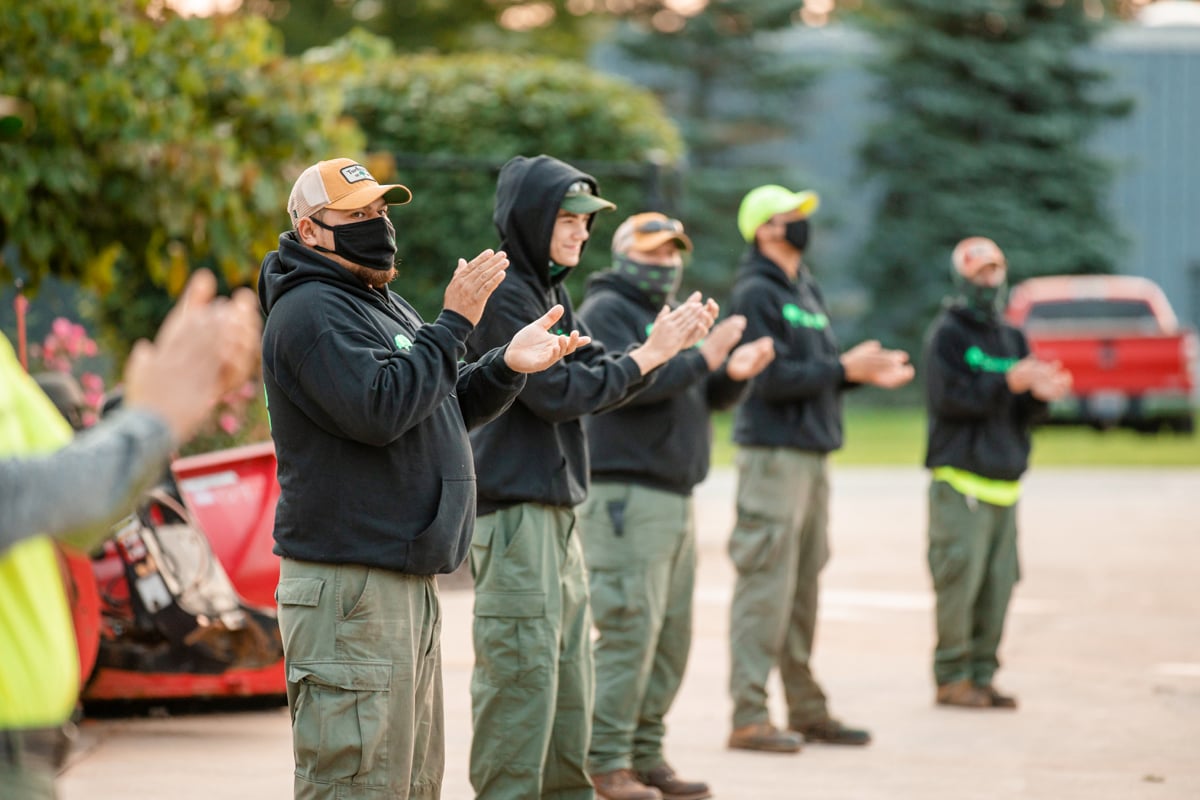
(1132, 363)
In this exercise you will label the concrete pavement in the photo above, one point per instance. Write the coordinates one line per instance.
(1102, 647)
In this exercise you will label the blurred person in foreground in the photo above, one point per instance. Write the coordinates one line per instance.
(55, 487)
(370, 408)
(984, 391)
(531, 691)
(787, 427)
(637, 524)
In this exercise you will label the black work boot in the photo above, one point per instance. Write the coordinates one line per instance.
(672, 787)
(620, 784)
(832, 731)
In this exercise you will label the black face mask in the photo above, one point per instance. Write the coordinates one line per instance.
(370, 243)
(796, 233)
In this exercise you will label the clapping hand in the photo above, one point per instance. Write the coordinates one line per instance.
(534, 347)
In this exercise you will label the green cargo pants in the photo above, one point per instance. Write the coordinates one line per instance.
(640, 549)
(21, 780)
(531, 690)
(364, 680)
(779, 546)
(974, 564)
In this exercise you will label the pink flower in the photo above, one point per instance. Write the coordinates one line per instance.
(229, 423)
(91, 382)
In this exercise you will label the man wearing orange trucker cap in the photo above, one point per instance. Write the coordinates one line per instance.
(787, 427)
(984, 391)
(369, 409)
(636, 525)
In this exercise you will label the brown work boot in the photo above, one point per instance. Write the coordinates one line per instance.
(620, 784)
(765, 737)
(672, 787)
(832, 731)
(963, 694)
(997, 699)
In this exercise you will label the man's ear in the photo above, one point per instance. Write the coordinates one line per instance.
(306, 229)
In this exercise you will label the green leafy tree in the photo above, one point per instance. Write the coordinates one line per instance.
(988, 112)
(454, 120)
(158, 143)
(732, 86)
(439, 26)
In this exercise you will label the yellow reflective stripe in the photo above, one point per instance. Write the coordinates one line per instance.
(39, 661)
(989, 490)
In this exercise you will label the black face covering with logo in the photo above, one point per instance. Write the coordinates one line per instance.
(370, 243)
(657, 281)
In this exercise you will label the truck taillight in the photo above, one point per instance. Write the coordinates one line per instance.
(1190, 345)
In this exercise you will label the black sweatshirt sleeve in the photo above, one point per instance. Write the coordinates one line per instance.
(723, 392)
(372, 394)
(487, 388)
(609, 321)
(588, 380)
(798, 372)
(956, 392)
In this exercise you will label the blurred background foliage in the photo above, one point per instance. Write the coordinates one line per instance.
(159, 143)
(986, 109)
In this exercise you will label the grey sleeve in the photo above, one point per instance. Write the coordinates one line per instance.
(75, 493)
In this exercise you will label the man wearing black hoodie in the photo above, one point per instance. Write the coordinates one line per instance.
(369, 410)
(984, 391)
(531, 689)
(790, 423)
(637, 528)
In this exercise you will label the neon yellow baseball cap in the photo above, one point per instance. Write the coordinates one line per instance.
(764, 202)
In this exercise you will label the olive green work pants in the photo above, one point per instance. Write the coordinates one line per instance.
(362, 647)
(640, 549)
(779, 545)
(531, 689)
(974, 564)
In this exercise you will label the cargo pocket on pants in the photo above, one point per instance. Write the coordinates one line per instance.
(339, 724)
(510, 640)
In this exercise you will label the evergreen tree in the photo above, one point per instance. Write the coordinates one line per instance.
(989, 109)
(731, 86)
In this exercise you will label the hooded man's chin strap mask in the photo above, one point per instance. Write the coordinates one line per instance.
(657, 281)
(985, 303)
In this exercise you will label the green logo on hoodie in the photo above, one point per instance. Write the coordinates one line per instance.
(403, 342)
(981, 362)
(799, 318)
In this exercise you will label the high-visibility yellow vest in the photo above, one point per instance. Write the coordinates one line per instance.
(39, 660)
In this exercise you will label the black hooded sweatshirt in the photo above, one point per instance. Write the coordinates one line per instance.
(662, 437)
(975, 422)
(369, 409)
(796, 401)
(535, 452)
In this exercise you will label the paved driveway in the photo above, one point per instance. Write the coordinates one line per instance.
(1103, 649)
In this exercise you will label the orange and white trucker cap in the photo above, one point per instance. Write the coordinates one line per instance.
(341, 184)
(644, 232)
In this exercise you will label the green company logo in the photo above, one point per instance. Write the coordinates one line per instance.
(799, 318)
(981, 362)
(403, 342)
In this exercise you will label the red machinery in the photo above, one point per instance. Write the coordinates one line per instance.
(230, 499)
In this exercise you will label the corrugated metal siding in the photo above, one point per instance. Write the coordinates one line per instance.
(1156, 193)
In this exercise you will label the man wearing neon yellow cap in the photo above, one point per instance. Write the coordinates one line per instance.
(786, 428)
(984, 392)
